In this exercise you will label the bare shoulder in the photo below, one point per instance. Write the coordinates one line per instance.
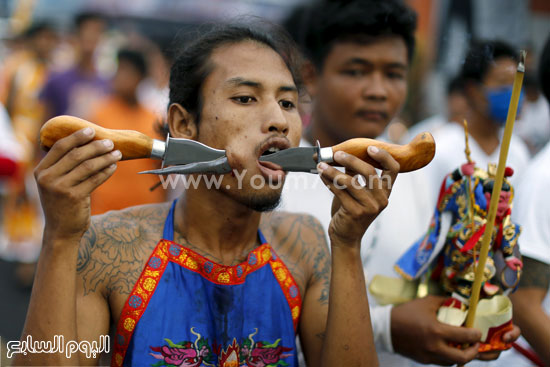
(113, 250)
(301, 242)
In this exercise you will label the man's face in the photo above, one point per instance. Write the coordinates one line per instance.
(44, 43)
(249, 106)
(500, 75)
(361, 87)
(126, 80)
(89, 35)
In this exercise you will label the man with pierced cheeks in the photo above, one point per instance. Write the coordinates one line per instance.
(213, 290)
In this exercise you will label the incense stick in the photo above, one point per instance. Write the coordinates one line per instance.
(505, 145)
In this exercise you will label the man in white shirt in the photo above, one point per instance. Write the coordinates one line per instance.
(532, 210)
(357, 77)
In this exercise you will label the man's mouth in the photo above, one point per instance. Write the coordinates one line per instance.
(372, 115)
(270, 170)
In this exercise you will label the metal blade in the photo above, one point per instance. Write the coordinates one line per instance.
(220, 165)
(185, 151)
(294, 159)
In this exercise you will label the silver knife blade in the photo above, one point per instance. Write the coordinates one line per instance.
(301, 159)
(185, 151)
(220, 165)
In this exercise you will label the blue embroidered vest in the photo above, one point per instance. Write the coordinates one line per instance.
(186, 310)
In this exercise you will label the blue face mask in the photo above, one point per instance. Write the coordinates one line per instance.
(499, 100)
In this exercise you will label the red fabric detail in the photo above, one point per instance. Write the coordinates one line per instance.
(221, 274)
(442, 191)
(144, 288)
(529, 354)
(8, 167)
(452, 303)
(473, 240)
(494, 338)
(286, 281)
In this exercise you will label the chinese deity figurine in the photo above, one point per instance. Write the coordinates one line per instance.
(448, 253)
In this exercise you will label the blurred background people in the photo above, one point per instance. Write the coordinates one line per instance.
(457, 111)
(153, 90)
(121, 110)
(76, 90)
(24, 74)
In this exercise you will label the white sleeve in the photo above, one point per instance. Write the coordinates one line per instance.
(532, 209)
(381, 321)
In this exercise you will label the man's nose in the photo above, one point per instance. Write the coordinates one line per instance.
(375, 87)
(275, 119)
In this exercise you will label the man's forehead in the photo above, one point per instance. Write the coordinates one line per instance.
(384, 49)
(502, 70)
(249, 62)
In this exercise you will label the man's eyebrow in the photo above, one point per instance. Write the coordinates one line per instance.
(397, 65)
(239, 81)
(360, 61)
(288, 88)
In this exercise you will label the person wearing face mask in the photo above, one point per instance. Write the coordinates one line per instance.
(488, 73)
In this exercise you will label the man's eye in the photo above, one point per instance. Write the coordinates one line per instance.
(394, 75)
(243, 99)
(287, 105)
(353, 72)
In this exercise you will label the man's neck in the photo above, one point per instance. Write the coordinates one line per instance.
(217, 224)
(86, 66)
(485, 132)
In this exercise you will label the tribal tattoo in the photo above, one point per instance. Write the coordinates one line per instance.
(115, 247)
(302, 245)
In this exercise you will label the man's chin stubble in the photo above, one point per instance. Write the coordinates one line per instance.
(263, 203)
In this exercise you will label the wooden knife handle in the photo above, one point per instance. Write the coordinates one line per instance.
(132, 144)
(415, 155)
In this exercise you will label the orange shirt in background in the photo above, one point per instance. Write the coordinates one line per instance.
(126, 188)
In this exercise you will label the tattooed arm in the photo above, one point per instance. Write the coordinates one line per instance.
(302, 244)
(316, 298)
(528, 312)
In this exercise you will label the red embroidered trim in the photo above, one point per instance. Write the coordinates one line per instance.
(216, 273)
(167, 251)
(288, 286)
(138, 300)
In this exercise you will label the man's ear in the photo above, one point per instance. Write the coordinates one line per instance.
(309, 76)
(181, 123)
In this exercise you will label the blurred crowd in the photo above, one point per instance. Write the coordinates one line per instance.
(118, 79)
(47, 74)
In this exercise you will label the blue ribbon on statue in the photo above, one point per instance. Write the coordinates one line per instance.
(499, 101)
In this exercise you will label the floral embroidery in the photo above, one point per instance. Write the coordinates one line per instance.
(200, 353)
